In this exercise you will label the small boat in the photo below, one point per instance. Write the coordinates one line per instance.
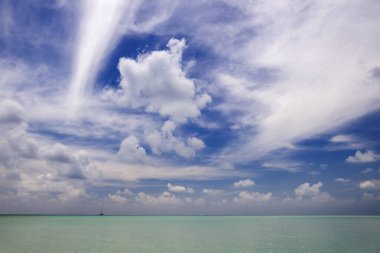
(101, 211)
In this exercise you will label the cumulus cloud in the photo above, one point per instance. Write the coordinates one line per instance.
(166, 141)
(112, 19)
(253, 197)
(165, 198)
(366, 157)
(11, 112)
(307, 191)
(118, 198)
(131, 151)
(71, 163)
(16, 143)
(244, 183)
(370, 184)
(179, 188)
(156, 82)
(57, 153)
(46, 186)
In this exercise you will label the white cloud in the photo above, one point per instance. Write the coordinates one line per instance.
(98, 17)
(287, 108)
(156, 82)
(244, 183)
(283, 165)
(342, 180)
(11, 112)
(311, 192)
(366, 157)
(70, 162)
(131, 151)
(126, 192)
(343, 141)
(253, 197)
(111, 19)
(196, 202)
(307, 190)
(370, 184)
(118, 199)
(165, 198)
(306, 63)
(213, 192)
(342, 138)
(178, 188)
(195, 143)
(45, 186)
(57, 153)
(166, 141)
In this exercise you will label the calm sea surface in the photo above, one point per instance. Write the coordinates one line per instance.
(216, 234)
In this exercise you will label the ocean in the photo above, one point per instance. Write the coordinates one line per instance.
(182, 234)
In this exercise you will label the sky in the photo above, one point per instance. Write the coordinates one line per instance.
(190, 107)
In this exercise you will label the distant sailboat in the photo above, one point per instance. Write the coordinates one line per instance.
(101, 211)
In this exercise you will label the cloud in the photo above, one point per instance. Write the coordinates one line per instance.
(292, 41)
(98, 17)
(367, 170)
(118, 199)
(46, 186)
(213, 192)
(306, 189)
(311, 192)
(165, 198)
(267, 102)
(244, 183)
(166, 141)
(370, 184)
(342, 180)
(342, 138)
(111, 19)
(253, 197)
(11, 112)
(370, 197)
(156, 82)
(131, 151)
(178, 188)
(344, 141)
(366, 157)
(69, 162)
(57, 153)
(283, 165)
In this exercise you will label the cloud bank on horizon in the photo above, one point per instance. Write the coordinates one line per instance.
(172, 107)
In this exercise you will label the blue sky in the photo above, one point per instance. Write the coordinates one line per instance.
(172, 107)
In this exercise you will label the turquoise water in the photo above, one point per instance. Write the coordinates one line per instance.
(216, 234)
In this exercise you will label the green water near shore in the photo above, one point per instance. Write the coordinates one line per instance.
(77, 234)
